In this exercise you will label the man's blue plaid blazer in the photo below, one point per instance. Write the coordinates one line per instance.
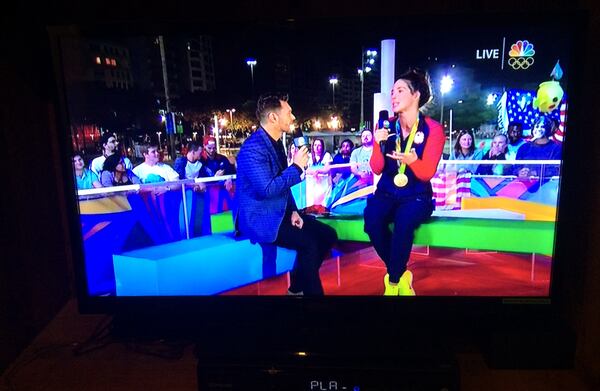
(262, 188)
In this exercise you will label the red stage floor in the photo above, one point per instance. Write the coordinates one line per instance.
(444, 272)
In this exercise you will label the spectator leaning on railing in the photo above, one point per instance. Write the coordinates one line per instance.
(151, 170)
(85, 179)
(496, 152)
(114, 173)
(360, 156)
(540, 148)
(343, 157)
(190, 166)
(464, 149)
(216, 164)
(515, 139)
(109, 147)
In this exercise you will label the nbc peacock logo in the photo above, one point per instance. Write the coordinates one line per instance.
(521, 55)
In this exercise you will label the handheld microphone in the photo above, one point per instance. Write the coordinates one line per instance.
(299, 139)
(386, 126)
(383, 115)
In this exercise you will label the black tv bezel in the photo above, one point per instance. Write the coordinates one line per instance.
(429, 309)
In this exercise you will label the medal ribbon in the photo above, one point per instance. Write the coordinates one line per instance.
(409, 143)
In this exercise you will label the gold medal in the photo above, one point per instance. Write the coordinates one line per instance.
(400, 180)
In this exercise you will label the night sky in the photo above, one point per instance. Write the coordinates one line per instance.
(334, 47)
(312, 51)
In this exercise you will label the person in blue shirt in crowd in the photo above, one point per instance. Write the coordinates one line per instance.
(515, 139)
(86, 179)
(190, 166)
(496, 152)
(464, 149)
(539, 148)
(343, 157)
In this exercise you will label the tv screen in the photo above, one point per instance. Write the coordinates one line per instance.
(157, 118)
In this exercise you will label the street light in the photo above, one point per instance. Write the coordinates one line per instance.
(491, 98)
(445, 87)
(231, 111)
(251, 62)
(335, 122)
(158, 134)
(365, 67)
(333, 81)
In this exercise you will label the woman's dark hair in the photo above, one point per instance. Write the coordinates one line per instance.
(312, 151)
(457, 147)
(111, 162)
(289, 153)
(547, 123)
(418, 80)
(268, 103)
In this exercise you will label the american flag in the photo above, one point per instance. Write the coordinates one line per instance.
(517, 105)
(449, 188)
(559, 135)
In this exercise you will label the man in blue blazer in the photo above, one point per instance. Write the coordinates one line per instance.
(267, 212)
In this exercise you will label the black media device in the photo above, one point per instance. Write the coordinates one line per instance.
(167, 259)
(313, 371)
(309, 362)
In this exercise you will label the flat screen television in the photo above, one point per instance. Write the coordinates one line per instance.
(157, 242)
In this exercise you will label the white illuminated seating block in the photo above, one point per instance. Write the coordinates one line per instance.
(205, 265)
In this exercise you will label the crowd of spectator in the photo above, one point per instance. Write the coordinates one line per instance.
(113, 168)
(511, 145)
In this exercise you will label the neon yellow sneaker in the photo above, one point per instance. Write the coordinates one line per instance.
(390, 290)
(405, 284)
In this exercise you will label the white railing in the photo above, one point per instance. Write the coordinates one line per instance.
(170, 185)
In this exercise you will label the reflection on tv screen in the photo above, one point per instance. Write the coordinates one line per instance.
(318, 161)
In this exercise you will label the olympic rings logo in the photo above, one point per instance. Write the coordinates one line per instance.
(520, 62)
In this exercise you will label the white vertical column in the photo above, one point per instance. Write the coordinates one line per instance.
(381, 100)
(388, 61)
(216, 132)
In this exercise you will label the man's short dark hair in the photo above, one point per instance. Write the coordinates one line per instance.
(347, 141)
(193, 146)
(104, 138)
(517, 124)
(267, 103)
(145, 147)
